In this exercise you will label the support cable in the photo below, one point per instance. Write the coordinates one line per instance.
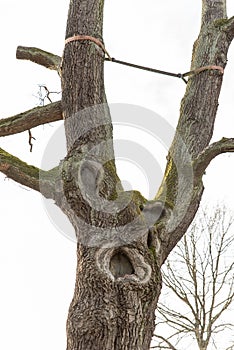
(153, 70)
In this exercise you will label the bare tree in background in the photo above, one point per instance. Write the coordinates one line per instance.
(198, 286)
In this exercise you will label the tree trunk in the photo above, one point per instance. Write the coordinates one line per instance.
(108, 312)
(119, 254)
(122, 239)
(118, 280)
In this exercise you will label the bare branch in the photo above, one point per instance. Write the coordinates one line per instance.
(170, 346)
(175, 320)
(225, 306)
(231, 347)
(222, 326)
(27, 175)
(203, 160)
(44, 58)
(30, 119)
(30, 138)
(47, 94)
(200, 274)
(178, 287)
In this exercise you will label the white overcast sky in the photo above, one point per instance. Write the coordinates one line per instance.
(37, 264)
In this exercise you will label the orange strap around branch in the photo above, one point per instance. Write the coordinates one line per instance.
(91, 38)
(201, 69)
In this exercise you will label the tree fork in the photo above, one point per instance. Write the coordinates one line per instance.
(44, 58)
(118, 280)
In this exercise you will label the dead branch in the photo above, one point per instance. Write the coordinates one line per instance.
(30, 138)
(48, 93)
(30, 119)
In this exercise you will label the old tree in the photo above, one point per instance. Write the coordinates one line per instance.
(122, 239)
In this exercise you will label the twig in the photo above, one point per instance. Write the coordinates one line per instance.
(30, 139)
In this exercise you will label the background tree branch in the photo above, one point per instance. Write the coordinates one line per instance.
(199, 274)
(165, 341)
(30, 119)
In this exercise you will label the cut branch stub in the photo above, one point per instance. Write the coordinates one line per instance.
(43, 58)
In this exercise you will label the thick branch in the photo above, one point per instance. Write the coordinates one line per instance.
(27, 175)
(31, 119)
(212, 10)
(194, 132)
(209, 153)
(199, 166)
(44, 58)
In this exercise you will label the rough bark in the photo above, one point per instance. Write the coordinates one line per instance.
(209, 153)
(30, 119)
(117, 287)
(122, 239)
(28, 175)
(38, 56)
(110, 290)
(197, 116)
